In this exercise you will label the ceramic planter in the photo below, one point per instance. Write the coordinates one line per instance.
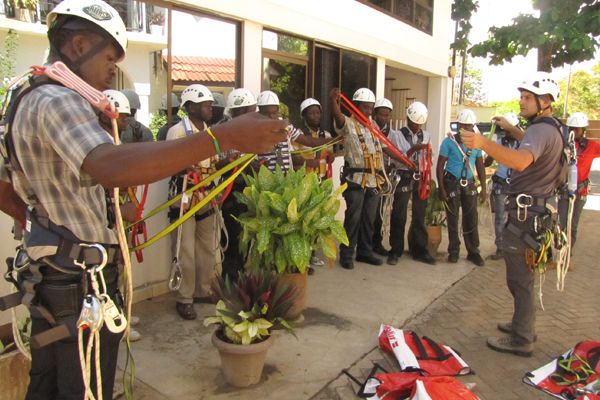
(435, 238)
(242, 364)
(299, 282)
(14, 376)
(156, 30)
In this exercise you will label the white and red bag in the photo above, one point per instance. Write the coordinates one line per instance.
(570, 375)
(404, 384)
(421, 354)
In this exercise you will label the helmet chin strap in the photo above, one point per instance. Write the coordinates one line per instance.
(540, 109)
(75, 65)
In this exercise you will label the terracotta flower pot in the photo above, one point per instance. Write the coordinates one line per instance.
(299, 282)
(242, 364)
(435, 238)
(14, 375)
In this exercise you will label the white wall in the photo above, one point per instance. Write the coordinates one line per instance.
(348, 24)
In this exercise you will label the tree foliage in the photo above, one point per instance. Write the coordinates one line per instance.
(506, 106)
(565, 32)
(584, 93)
(8, 59)
(474, 94)
(462, 10)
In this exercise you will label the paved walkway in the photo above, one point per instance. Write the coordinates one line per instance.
(454, 304)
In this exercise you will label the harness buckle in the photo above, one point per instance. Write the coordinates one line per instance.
(416, 176)
(507, 181)
(464, 182)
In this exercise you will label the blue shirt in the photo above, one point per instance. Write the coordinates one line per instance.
(502, 170)
(455, 162)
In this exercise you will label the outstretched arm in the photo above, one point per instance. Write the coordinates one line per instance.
(11, 203)
(515, 159)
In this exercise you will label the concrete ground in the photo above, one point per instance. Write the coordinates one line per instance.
(454, 304)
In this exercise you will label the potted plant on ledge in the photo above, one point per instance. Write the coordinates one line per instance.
(26, 10)
(156, 21)
(435, 219)
(288, 216)
(247, 312)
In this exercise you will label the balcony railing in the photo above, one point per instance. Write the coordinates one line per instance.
(135, 14)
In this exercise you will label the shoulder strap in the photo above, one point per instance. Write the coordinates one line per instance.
(582, 146)
(406, 133)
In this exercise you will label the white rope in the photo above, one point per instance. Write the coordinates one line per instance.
(86, 363)
(562, 265)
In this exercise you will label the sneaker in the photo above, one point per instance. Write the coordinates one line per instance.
(392, 259)
(506, 327)
(311, 270)
(426, 258)
(314, 260)
(370, 259)
(507, 344)
(381, 250)
(186, 310)
(497, 255)
(134, 335)
(476, 259)
(453, 258)
(133, 320)
(347, 263)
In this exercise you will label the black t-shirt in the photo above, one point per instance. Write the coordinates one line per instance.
(547, 172)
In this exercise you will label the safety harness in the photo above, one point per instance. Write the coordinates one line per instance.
(372, 161)
(501, 186)
(423, 159)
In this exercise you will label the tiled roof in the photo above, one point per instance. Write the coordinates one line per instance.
(202, 69)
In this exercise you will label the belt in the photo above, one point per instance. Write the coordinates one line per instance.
(524, 203)
(497, 179)
(88, 255)
(449, 177)
(204, 215)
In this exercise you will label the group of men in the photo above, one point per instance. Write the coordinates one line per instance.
(61, 159)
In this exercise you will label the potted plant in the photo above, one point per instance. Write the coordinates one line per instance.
(247, 312)
(435, 218)
(288, 216)
(26, 10)
(156, 21)
(14, 366)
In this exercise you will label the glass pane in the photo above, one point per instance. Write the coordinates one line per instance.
(288, 81)
(385, 4)
(289, 44)
(327, 76)
(355, 73)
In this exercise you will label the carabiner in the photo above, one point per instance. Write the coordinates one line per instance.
(103, 252)
(416, 176)
(464, 182)
(176, 276)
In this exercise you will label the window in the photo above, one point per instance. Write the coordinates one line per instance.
(418, 13)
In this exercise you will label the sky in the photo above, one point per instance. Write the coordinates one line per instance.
(501, 81)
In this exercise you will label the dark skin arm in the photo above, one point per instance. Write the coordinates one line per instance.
(336, 111)
(409, 154)
(439, 171)
(122, 166)
(11, 203)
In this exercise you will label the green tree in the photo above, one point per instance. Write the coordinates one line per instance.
(473, 92)
(8, 60)
(584, 93)
(565, 32)
(507, 106)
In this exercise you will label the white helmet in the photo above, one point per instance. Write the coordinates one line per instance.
(196, 94)
(219, 100)
(307, 103)
(267, 98)
(466, 117)
(541, 83)
(417, 113)
(174, 101)
(383, 103)
(119, 100)
(239, 98)
(578, 120)
(98, 12)
(511, 118)
(132, 96)
(365, 95)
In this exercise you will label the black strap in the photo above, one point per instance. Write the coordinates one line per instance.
(524, 236)
(440, 355)
(582, 146)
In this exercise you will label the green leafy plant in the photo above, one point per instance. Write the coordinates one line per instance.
(156, 18)
(251, 308)
(435, 214)
(8, 60)
(288, 215)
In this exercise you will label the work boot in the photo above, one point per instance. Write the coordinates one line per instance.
(453, 258)
(186, 310)
(392, 259)
(370, 259)
(506, 327)
(508, 344)
(497, 255)
(476, 259)
(380, 250)
(426, 258)
(347, 263)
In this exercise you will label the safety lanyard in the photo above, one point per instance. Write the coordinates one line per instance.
(425, 177)
(369, 164)
(466, 157)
